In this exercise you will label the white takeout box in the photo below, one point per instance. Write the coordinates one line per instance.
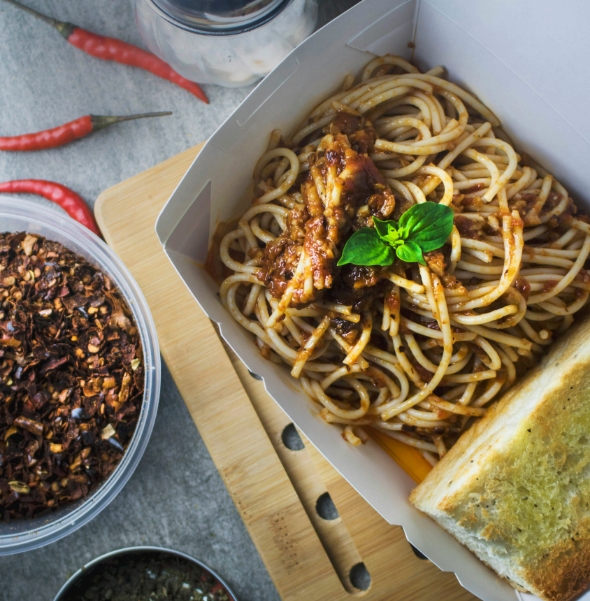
(526, 59)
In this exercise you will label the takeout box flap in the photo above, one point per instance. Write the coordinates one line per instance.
(523, 59)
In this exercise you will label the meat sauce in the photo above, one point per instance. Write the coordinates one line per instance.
(468, 228)
(523, 286)
(358, 286)
(355, 192)
(436, 261)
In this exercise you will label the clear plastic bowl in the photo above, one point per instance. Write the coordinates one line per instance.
(17, 214)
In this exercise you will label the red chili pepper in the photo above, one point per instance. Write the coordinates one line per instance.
(66, 133)
(67, 199)
(112, 49)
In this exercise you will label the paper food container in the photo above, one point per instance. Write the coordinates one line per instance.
(526, 60)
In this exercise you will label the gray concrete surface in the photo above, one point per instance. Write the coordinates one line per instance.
(176, 497)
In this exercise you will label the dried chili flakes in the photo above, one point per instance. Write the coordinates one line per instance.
(71, 376)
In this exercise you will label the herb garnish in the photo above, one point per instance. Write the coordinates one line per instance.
(422, 228)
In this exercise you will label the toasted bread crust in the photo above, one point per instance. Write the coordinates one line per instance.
(515, 489)
(565, 573)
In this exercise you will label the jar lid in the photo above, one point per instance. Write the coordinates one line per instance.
(220, 17)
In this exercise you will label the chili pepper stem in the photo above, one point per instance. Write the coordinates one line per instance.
(102, 121)
(66, 29)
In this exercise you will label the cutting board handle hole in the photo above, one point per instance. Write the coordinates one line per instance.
(360, 577)
(291, 438)
(325, 507)
(418, 554)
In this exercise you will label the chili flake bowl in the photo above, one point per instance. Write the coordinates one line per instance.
(77, 584)
(16, 215)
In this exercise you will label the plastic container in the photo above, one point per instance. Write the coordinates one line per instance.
(228, 42)
(21, 215)
(81, 576)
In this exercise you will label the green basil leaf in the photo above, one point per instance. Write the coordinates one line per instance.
(384, 228)
(381, 227)
(365, 247)
(388, 231)
(428, 224)
(410, 252)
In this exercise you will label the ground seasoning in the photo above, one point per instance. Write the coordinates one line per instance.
(71, 376)
(147, 576)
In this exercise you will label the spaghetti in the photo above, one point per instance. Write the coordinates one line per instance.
(416, 351)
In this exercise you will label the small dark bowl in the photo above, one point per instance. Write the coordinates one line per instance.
(80, 580)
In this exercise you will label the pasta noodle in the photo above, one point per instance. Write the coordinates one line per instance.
(416, 351)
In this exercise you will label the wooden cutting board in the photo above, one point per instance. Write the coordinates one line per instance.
(275, 488)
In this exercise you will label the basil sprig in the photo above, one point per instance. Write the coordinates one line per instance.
(422, 228)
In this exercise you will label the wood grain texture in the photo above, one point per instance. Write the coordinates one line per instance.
(275, 489)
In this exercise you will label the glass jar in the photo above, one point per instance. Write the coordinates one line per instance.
(227, 42)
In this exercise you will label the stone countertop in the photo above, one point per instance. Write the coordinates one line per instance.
(176, 498)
